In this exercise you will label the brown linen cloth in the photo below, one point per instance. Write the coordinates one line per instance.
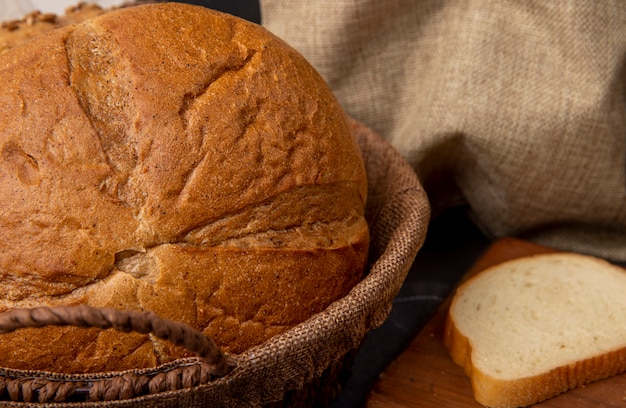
(516, 108)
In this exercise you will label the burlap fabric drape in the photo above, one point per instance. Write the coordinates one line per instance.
(291, 367)
(516, 108)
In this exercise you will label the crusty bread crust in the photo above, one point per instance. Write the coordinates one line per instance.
(496, 392)
(175, 159)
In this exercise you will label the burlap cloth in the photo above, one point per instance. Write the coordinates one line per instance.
(297, 368)
(514, 108)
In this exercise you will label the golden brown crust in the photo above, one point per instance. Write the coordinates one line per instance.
(194, 165)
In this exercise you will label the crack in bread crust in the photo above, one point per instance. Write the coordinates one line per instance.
(272, 224)
(199, 169)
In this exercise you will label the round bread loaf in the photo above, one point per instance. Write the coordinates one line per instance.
(175, 159)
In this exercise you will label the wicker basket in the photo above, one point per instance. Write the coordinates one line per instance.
(304, 366)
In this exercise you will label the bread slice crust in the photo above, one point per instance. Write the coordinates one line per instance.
(499, 390)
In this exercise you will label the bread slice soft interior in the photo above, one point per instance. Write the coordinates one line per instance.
(529, 329)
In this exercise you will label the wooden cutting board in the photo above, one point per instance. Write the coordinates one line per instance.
(425, 375)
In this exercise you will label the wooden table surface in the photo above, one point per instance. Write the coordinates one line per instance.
(425, 375)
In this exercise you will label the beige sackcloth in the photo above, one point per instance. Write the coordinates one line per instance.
(514, 108)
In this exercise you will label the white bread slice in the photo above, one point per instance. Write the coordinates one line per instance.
(529, 329)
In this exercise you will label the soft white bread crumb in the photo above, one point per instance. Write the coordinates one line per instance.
(532, 328)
